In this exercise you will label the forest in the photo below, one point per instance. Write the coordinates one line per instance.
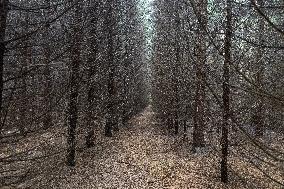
(136, 94)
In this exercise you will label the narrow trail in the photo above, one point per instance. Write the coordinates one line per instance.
(140, 156)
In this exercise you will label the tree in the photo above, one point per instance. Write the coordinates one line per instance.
(199, 120)
(3, 19)
(47, 121)
(74, 87)
(92, 69)
(226, 92)
(258, 114)
(111, 88)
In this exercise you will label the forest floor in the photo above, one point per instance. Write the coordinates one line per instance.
(140, 155)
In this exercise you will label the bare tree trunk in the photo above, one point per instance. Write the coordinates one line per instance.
(23, 109)
(259, 113)
(111, 71)
(176, 123)
(47, 120)
(26, 59)
(3, 20)
(90, 132)
(74, 87)
(199, 121)
(93, 47)
(176, 69)
(226, 93)
(124, 100)
(110, 106)
(169, 122)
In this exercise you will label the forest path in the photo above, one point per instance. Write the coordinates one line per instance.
(140, 156)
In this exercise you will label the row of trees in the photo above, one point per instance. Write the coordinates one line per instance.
(218, 66)
(67, 63)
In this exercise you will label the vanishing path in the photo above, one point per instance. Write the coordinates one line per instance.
(140, 156)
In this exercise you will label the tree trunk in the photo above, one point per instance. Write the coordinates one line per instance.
(90, 132)
(47, 120)
(176, 124)
(258, 112)
(226, 93)
(26, 59)
(199, 122)
(169, 122)
(94, 48)
(3, 20)
(176, 73)
(74, 86)
(110, 122)
(110, 107)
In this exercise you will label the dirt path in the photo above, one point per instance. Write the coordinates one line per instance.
(139, 156)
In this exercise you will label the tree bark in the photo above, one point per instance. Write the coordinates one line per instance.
(199, 122)
(3, 20)
(26, 59)
(258, 112)
(74, 87)
(110, 122)
(92, 69)
(176, 81)
(91, 90)
(47, 122)
(226, 92)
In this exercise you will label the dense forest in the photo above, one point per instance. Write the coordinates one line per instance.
(141, 94)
